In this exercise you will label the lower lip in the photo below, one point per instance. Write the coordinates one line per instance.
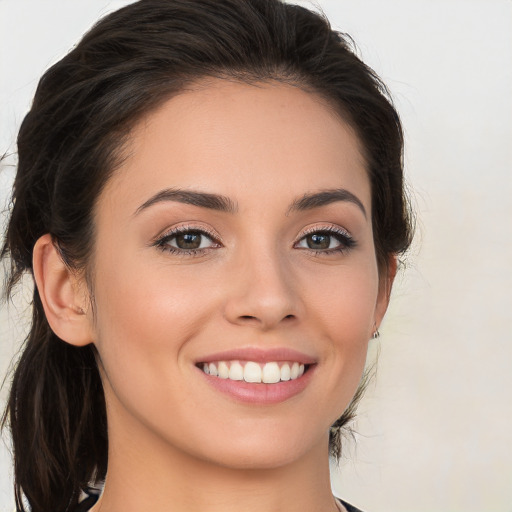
(260, 393)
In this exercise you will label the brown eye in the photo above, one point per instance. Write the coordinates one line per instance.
(189, 240)
(185, 241)
(318, 241)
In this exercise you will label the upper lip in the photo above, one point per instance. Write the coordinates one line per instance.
(259, 355)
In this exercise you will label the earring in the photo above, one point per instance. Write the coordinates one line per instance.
(376, 333)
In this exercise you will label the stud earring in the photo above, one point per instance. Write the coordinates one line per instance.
(376, 333)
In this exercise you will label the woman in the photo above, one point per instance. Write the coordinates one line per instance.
(209, 197)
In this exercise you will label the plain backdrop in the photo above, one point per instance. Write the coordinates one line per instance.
(435, 429)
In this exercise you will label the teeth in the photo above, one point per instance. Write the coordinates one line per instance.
(285, 372)
(271, 373)
(236, 371)
(268, 373)
(213, 369)
(223, 370)
(252, 372)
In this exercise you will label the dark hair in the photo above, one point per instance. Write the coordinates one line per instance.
(70, 143)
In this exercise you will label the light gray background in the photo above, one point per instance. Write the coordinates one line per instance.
(435, 431)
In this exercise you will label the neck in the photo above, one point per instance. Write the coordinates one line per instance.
(145, 473)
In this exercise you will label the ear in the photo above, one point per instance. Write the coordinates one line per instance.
(62, 293)
(385, 284)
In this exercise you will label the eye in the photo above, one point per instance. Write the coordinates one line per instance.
(327, 240)
(187, 241)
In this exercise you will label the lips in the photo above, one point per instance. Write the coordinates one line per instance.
(256, 375)
(259, 355)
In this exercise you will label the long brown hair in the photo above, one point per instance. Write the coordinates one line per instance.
(69, 144)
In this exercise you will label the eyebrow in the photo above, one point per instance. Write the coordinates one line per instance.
(225, 204)
(323, 198)
(201, 199)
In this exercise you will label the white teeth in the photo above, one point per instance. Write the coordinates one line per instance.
(213, 369)
(268, 373)
(271, 373)
(223, 370)
(294, 372)
(252, 372)
(285, 372)
(236, 371)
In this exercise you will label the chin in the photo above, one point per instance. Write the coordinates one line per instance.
(264, 451)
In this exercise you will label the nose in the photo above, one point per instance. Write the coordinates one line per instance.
(263, 291)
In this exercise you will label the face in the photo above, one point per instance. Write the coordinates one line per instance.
(236, 239)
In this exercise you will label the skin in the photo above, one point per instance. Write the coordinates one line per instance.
(173, 439)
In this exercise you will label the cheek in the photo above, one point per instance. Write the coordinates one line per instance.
(145, 316)
(343, 300)
(342, 308)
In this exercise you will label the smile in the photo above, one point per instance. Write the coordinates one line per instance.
(270, 372)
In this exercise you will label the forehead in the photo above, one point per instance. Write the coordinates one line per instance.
(244, 141)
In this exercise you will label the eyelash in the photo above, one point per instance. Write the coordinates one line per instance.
(163, 242)
(345, 240)
(342, 236)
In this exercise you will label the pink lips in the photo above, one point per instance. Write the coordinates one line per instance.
(259, 355)
(260, 393)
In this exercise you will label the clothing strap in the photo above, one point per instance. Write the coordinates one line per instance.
(348, 506)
